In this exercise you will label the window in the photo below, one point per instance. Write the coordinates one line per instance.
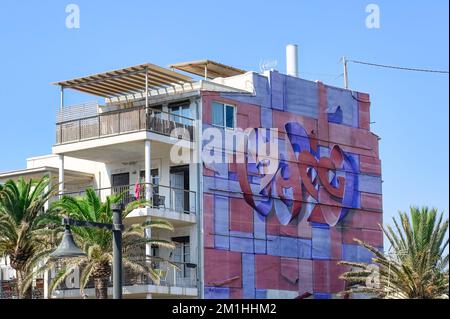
(119, 180)
(156, 110)
(217, 114)
(223, 115)
(229, 116)
(180, 112)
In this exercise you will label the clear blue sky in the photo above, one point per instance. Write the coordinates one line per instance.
(410, 110)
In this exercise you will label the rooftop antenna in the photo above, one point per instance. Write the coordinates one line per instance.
(267, 65)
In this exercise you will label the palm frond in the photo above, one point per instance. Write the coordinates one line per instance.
(419, 265)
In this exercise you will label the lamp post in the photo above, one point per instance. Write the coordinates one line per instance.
(68, 248)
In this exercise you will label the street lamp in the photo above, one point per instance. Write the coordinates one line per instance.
(69, 249)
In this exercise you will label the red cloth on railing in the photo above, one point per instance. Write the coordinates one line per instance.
(137, 190)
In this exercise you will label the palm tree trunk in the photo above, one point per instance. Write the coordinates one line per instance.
(101, 288)
(27, 294)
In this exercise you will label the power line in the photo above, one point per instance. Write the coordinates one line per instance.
(399, 67)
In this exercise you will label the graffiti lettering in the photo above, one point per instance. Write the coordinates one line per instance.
(303, 177)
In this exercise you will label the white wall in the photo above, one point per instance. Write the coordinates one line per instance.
(241, 82)
(70, 163)
(163, 164)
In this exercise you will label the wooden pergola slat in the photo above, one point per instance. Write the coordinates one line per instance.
(208, 69)
(126, 81)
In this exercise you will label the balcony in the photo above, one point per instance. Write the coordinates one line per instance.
(8, 283)
(124, 121)
(179, 281)
(177, 205)
(8, 289)
(117, 87)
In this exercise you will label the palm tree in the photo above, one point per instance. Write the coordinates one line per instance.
(23, 237)
(97, 243)
(418, 268)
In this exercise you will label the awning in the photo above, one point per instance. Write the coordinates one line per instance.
(39, 172)
(208, 69)
(126, 81)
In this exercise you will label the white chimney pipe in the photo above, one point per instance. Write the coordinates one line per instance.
(292, 60)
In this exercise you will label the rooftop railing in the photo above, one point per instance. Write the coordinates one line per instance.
(123, 121)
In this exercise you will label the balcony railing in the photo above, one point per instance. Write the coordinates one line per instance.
(183, 275)
(124, 121)
(163, 197)
(8, 289)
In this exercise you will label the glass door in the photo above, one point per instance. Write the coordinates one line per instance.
(177, 186)
(182, 256)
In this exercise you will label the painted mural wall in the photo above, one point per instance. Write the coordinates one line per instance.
(281, 235)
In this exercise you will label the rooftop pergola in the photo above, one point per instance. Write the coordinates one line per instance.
(131, 80)
(208, 69)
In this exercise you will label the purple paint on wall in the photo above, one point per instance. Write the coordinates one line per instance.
(217, 293)
(248, 276)
(321, 243)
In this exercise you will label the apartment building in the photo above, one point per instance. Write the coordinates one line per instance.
(242, 230)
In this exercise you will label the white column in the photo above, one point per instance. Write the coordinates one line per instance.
(146, 90)
(62, 98)
(1, 281)
(61, 174)
(344, 62)
(148, 190)
(46, 284)
(46, 205)
(148, 173)
(47, 188)
(148, 247)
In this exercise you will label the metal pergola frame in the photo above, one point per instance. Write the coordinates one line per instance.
(138, 79)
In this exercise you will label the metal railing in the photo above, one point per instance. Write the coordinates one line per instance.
(124, 121)
(184, 275)
(162, 197)
(8, 290)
